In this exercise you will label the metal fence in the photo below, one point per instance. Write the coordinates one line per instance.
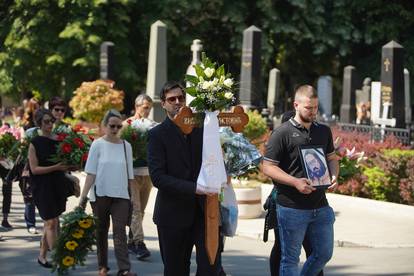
(377, 133)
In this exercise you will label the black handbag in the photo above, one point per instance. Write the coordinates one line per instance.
(71, 185)
(271, 215)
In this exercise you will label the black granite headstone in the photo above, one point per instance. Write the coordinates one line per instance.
(250, 79)
(107, 61)
(392, 81)
(349, 85)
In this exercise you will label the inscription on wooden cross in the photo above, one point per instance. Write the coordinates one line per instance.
(186, 120)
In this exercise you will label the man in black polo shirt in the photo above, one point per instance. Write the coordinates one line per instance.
(301, 208)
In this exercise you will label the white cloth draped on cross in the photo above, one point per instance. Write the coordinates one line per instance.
(212, 173)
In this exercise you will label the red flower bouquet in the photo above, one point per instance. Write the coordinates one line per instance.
(73, 147)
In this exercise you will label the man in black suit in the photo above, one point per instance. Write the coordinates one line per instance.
(174, 162)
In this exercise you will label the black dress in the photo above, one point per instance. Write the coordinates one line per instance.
(48, 189)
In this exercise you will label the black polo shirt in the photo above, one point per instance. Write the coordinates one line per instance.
(282, 149)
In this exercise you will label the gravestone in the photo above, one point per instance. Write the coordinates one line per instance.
(250, 85)
(157, 68)
(375, 100)
(380, 112)
(349, 85)
(107, 61)
(407, 97)
(392, 82)
(363, 102)
(274, 101)
(196, 49)
(325, 96)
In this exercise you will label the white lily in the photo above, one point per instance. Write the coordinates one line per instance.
(228, 95)
(222, 78)
(228, 83)
(209, 72)
(206, 85)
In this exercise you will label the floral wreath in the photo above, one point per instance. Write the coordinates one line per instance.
(75, 240)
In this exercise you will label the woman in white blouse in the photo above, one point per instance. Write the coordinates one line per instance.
(109, 172)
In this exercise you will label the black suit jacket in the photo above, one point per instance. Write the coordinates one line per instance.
(174, 163)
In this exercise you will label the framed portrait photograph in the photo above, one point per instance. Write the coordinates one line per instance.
(315, 166)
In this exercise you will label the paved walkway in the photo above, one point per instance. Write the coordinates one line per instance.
(372, 238)
(359, 222)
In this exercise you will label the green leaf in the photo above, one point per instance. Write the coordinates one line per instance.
(191, 78)
(192, 91)
(220, 71)
(199, 71)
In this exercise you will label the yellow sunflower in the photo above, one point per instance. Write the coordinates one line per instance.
(68, 261)
(85, 223)
(71, 245)
(78, 233)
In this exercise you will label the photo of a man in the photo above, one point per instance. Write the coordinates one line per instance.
(316, 167)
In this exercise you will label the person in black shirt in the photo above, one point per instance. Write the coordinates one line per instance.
(275, 255)
(301, 208)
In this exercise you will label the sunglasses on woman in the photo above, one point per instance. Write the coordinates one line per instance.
(115, 126)
(59, 109)
(48, 121)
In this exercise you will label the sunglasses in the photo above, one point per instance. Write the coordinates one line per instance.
(48, 121)
(59, 109)
(115, 126)
(173, 100)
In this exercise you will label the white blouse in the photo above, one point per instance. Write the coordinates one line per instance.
(106, 160)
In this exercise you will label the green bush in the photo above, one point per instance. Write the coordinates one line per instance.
(376, 178)
(388, 178)
(256, 127)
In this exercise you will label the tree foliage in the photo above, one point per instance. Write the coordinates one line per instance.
(52, 46)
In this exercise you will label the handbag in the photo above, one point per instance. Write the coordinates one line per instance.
(271, 215)
(129, 192)
(229, 212)
(71, 185)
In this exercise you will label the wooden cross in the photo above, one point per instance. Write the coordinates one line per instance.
(186, 120)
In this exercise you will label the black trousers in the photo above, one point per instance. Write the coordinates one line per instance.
(275, 255)
(176, 245)
(7, 196)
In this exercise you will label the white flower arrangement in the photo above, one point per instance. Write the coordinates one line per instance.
(212, 88)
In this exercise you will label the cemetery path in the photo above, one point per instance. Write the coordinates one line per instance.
(246, 255)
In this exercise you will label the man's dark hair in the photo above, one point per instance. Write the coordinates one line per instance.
(322, 166)
(40, 113)
(170, 85)
(56, 101)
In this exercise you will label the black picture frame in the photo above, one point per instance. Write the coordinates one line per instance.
(315, 166)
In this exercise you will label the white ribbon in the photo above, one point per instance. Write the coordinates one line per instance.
(213, 173)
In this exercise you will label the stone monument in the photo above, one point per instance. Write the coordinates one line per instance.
(392, 82)
(250, 79)
(349, 85)
(157, 68)
(107, 61)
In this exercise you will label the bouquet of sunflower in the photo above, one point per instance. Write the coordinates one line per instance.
(75, 240)
(136, 133)
(73, 147)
